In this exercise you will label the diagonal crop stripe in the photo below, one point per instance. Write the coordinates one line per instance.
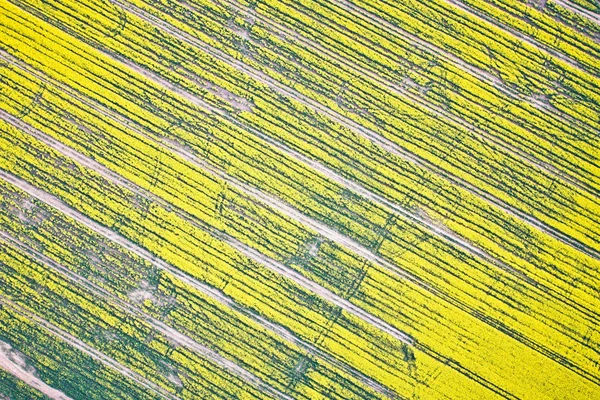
(299, 199)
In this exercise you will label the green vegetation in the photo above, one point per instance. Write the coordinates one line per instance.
(300, 199)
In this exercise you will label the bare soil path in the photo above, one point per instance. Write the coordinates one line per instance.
(13, 363)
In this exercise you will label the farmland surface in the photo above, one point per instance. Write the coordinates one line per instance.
(299, 199)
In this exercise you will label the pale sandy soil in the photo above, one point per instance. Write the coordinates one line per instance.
(14, 363)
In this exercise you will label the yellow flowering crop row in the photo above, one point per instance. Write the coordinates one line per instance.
(139, 146)
(162, 232)
(186, 309)
(482, 328)
(63, 366)
(490, 245)
(93, 320)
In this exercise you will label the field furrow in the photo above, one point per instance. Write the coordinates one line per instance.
(552, 189)
(7, 303)
(238, 226)
(299, 199)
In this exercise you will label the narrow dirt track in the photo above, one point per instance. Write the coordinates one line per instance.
(374, 137)
(212, 292)
(577, 9)
(88, 350)
(242, 248)
(14, 365)
(169, 332)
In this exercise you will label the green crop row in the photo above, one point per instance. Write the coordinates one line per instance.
(63, 366)
(115, 332)
(574, 20)
(544, 29)
(138, 145)
(483, 227)
(190, 249)
(167, 298)
(13, 388)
